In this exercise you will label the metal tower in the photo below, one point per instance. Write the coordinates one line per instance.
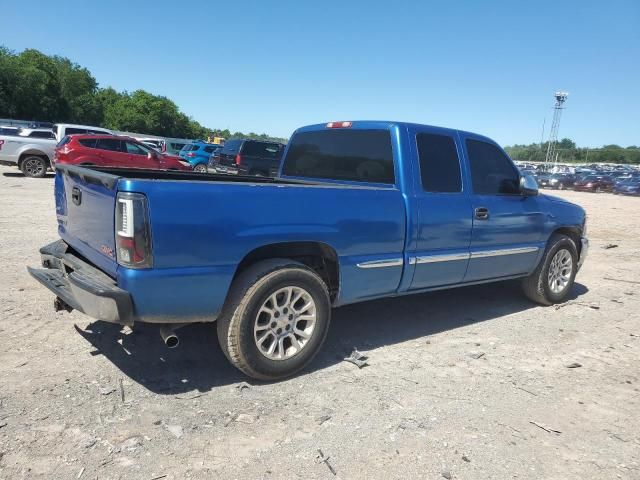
(552, 155)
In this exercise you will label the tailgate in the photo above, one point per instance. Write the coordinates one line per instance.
(85, 206)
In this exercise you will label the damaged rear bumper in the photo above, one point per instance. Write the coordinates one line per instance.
(81, 286)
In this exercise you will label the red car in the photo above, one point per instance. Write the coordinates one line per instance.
(114, 151)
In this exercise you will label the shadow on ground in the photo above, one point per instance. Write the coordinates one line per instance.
(20, 174)
(199, 364)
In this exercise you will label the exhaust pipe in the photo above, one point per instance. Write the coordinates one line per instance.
(169, 336)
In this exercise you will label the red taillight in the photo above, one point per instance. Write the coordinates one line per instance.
(191, 154)
(133, 235)
(339, 124)
(238, 159)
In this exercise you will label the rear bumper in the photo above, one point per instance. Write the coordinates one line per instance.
(584, 250)
(82, 286)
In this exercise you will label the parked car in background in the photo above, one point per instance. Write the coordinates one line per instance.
(594, 183)
(557, 181)
(629, 186)
(198, 154)
(361, 211)
(33, 153)
(172, 146)
(8, 130)
(114, 151)
(248, 157)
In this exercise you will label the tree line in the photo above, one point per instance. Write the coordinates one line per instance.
(50, 88)
(568, 152)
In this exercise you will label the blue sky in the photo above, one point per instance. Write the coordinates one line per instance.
(267, 66)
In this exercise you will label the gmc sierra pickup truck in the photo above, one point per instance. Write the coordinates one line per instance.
(360, 210)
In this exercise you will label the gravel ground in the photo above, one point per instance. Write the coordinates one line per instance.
(473, 389)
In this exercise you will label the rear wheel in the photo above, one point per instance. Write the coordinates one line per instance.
(275, 319)
(553, 279)
(200, 168)
(34, 166)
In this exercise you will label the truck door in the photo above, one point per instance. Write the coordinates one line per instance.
(506, 238)
(444, 209)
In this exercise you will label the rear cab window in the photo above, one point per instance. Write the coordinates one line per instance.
(357, 155)
(232, 147)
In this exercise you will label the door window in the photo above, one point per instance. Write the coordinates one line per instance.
(439, 163)
(261, 149)
(110, 144)
(492, 172)
(135, 149)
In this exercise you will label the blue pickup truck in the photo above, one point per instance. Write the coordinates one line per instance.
(360, 210)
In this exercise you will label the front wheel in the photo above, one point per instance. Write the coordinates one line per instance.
(553, 279)
(275, 319)
(34, 166)
(200, 168)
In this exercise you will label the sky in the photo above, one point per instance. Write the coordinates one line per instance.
(490, 67)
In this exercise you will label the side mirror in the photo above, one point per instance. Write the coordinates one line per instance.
(528, 186)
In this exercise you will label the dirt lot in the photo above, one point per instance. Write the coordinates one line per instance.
(472, 389)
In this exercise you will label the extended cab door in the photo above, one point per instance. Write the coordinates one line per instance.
(506, 239)
(443, 209)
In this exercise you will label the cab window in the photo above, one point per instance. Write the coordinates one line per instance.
(492, 172)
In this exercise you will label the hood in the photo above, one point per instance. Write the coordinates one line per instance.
(553, 198)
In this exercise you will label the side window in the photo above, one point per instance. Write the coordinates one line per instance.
(492, 173)
(75, 131)
(209, 149)
(232, 147)
(439, 163)
(42, 135)
(135, 149)
(108, 144)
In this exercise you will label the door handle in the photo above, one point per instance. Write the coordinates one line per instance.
(482, 213)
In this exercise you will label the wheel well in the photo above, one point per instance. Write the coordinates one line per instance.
(573, 233)
(318, 256)
(25, 155)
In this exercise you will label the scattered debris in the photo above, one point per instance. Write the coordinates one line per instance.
(241, 386)
(466, 459)
(325, 460)
(121, 384)
(191, 397)
(357, 358)
(80, 472)
(244, 418)
(589, 305)
(610, 245)
(323, 418)
(175, 430)
(621, 280)
(159, 477)
(574, 365)
(546, 429)
(476, 355)
(446, 474)
(525, 390)
(3, 424)
(107, 390)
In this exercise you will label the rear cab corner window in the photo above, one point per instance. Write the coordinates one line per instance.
(492, 171)
(342, 154)
(439, 163)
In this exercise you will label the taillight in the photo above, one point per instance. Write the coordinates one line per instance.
(238, 159)
(339, 124)
(133, 234)
(191, 154)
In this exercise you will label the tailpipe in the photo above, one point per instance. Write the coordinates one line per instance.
(169, 337)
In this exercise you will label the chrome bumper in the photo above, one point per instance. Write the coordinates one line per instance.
(583, 251)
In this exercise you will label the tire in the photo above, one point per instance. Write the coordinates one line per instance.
(246, 316)
(200, 168)
(34, 166)
(537, 286)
